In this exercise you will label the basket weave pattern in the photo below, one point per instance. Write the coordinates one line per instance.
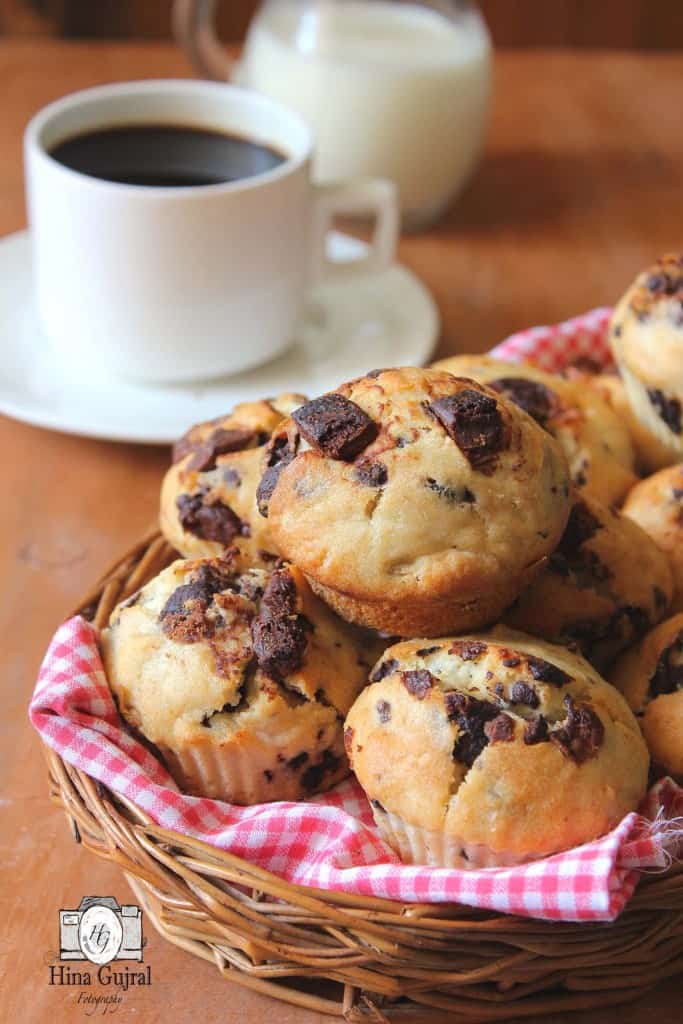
(381, 960)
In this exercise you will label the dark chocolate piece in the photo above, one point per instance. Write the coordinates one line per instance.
(221, 442)
(335, 426)
(547, 673)
(536, 731)
(468, 650)
(371, 473)
(530, 395)
(473, 420)
(314, 774)
(298, 761)
(500, 729)
(278, 633)
(383, 711)
(385, 668)
(581, 526)
(453, 495)
(199, 589)
(470, 715)
(209, 520)
(425, 651)
(582, 735)
(281, 451)
(668, 677)
(668, 409)
(524, 693)
(418, 682)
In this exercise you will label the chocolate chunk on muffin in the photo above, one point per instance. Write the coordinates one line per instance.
(646, 334)
(414, 502)
(241, 678)
(507, 749)
(593, 437)
(656, 505)
(208, 497)
(602, 588)
(651, 679)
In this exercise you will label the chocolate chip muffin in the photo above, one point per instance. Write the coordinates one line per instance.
(602, 588)
(656, 505)
(240, 677)
(208, 497)
(651, 678)
(493, 749)
(594, 439)
(651, 454)
(415, 502)
(646, 334)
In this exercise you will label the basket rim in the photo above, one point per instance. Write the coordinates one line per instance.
(276, 937)
(118, 582)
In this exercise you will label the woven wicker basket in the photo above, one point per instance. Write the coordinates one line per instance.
(361, 958)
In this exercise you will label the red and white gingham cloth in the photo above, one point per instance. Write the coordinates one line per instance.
(331, 842)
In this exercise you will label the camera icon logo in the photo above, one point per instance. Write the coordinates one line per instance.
(101, 931)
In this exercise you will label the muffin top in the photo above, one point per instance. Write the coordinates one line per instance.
(409, 479)
(208, 497)
(656, 505)
(602, 588)
(646, 332)
(651, 678)
(208, 649)
(650, 453)
(501, 739)
(654, 668)
(593, 437)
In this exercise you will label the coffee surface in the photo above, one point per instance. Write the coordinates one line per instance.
(165, 155)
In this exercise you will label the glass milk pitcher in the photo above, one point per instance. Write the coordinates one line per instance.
(391, 88)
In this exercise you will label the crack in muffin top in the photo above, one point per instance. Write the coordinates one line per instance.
(496, 736)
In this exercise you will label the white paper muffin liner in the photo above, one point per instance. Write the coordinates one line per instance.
(437, 849)
(246, 774)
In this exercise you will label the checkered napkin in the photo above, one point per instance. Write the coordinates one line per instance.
(331, 842)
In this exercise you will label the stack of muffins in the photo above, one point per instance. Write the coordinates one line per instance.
(426, 577)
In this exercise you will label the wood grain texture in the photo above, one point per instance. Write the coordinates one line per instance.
(579, 188)
(623, 24)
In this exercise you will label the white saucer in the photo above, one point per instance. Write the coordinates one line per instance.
(385, 319)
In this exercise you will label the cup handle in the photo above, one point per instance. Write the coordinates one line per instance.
(375, 197)
(195, 30)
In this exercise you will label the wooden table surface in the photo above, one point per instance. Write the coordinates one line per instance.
(579, 188)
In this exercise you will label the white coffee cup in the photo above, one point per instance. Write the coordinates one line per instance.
(184, 283)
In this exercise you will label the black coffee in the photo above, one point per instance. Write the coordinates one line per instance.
(165, 155)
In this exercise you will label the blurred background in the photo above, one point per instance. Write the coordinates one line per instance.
(624, 24)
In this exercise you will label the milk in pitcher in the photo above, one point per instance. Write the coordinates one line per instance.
(391, 89)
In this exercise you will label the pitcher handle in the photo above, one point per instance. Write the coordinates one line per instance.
(194, 27)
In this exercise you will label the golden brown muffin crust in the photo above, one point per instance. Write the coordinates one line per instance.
(651, 678)
(208, 496)
(212, 660)
(656, 505)
(602, 588)
(409, 488)
(592, 436)
(499, 739)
